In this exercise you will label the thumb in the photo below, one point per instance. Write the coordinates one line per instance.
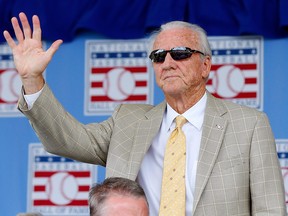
(54, 47)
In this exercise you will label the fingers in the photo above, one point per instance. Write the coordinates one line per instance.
(17, 29)
(9, 39)
(25, 25)
(36, 28)
(25, 31)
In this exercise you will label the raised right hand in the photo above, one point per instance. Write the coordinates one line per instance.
(29, 57)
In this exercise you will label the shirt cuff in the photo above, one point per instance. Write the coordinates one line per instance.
(31, 98)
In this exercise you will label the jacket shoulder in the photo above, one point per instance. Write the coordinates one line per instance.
(232, 108)
(133, 111)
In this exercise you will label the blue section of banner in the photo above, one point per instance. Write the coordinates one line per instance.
(283, 155)
(234, 51)
(6, 57)
(105, 55)
(52, 159)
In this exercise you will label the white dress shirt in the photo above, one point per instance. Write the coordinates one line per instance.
(150, 174)
(31, 98)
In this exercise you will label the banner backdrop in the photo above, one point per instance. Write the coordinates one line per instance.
(57, 185)
(91, 75)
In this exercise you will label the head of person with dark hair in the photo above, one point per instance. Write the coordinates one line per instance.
(118, 196)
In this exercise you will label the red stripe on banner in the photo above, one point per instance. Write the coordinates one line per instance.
(247, 81)
(209, 82)
(100, 84)
(100, 98)
(80, 174)
(44, 174)
(137, 97)
(240, 66)
(136, 69)
(39, 188)
(141, 83)
(247, 95)
(79, 203)
(250, 80)
(83, 188)
(49, 174)
(7, 69)
(240, 95)
(130, 98)
(96, 84)
(131, 69)
(99, 70)
(43, 188)
(49, 203)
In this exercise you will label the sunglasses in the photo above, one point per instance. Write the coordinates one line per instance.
(177, 53)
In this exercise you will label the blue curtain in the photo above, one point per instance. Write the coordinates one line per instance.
(129, 19)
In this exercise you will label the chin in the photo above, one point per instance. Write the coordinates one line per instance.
(172, 91)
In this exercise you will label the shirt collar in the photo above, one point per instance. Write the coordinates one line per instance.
(194, 115)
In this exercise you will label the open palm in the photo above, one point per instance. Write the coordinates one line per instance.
(29, 57)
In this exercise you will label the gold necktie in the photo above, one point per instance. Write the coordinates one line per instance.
(173, 181)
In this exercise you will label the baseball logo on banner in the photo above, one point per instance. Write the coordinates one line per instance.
(58, 185)
(237, 70)
(282, 149)
(116, 72)
(10, 84)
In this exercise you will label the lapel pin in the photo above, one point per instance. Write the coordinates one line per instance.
(219, 127)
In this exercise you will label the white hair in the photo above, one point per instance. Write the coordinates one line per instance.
(202, 35)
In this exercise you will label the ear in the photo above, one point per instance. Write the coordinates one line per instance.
(206, 66)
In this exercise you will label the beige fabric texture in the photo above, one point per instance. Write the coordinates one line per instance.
(238, 170)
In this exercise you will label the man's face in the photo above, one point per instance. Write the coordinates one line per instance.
(123, 205)
(178, 77)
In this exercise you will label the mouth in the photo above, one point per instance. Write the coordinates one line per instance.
(170, 77)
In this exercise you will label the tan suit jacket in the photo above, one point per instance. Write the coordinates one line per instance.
(238, 170)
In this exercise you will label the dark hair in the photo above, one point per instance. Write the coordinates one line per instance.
(112, 186)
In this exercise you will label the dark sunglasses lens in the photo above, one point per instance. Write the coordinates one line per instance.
(180, 54)
(158, 55)
(177, 53)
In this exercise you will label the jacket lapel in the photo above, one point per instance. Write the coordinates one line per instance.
(214, 127)
(146, 130)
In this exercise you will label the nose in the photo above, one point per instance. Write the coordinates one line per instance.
(168, 63)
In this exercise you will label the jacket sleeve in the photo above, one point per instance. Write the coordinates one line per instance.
(63, 135)
(266, 181)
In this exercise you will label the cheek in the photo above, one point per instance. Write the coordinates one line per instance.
(192, 73)
(157, 74)
(192, 78)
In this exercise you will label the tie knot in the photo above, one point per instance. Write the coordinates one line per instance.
(180, 121)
